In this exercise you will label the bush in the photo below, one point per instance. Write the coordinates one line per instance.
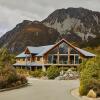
(95, 85)
(8, 75)
(73, 69)
(9, 78)
(22, 71)
(43, 73)
(36, 73)
(53, 72)
(90, 77)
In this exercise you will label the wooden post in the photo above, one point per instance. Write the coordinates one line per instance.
(68, 55)
(21, 67)
(52, 59)
(31, 58)
(74, 58)
(43, 67)
(36, 68)
(58, 56)
(30, 68)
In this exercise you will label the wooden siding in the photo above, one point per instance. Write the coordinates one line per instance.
(40, 61)
(22, 60)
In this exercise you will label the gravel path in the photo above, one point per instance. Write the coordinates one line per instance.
(42, 90)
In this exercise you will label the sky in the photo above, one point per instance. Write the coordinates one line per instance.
(13, 12)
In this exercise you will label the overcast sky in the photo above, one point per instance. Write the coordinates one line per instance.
(13, 12)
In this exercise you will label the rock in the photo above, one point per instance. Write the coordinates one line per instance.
(59, 78)
(68, 75)
(44, 78)
(91, 94)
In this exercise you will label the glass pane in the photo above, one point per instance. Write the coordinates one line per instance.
(63, 59)
(71, 59)
(76, 59)
(73, 51)
(52, 59)
(63, 48)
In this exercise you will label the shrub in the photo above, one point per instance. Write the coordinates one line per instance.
(18, 83)
(90, 77)
(22, 78)
(36, 73)
(8, 75)
(95, 85)
(73, 69)
(43, 73)
(9, 78)
(53, 72)
(22, 71)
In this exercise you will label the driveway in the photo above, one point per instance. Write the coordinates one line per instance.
(42, 90)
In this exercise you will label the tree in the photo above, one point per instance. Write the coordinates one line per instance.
(8, 75)
(6, 58)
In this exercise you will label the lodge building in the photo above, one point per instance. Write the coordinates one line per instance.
(60, 54)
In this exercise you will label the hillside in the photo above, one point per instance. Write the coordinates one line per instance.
(76, 24)
(28, 33)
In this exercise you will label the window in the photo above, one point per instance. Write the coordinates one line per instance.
(28, 59)
(63, 59)
(76, 59)
(73, 51)
(63, 48)
(23, 59)
(52, 59)
(38, 58)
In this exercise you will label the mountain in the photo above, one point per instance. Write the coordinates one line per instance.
(28, 33)
(76, 24)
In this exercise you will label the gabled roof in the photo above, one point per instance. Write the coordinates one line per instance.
(83, 52)
(86, 53)
(42, 50)
(39, 51)
(22, 55)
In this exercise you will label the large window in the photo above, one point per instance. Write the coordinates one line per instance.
(63, 48)
(60, 55)
(73, 51)
(72, 59)
(77, 59)
(63, 59)
(52, 59)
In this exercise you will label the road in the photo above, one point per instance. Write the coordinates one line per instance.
(42, 90)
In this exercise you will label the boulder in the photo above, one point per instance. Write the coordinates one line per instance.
(91, 94)
(68, 75)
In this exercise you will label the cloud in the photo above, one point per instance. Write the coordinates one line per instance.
(13, 12)
(10, 17)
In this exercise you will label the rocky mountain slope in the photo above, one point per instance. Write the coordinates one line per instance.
(77, 24)
(28, 33)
